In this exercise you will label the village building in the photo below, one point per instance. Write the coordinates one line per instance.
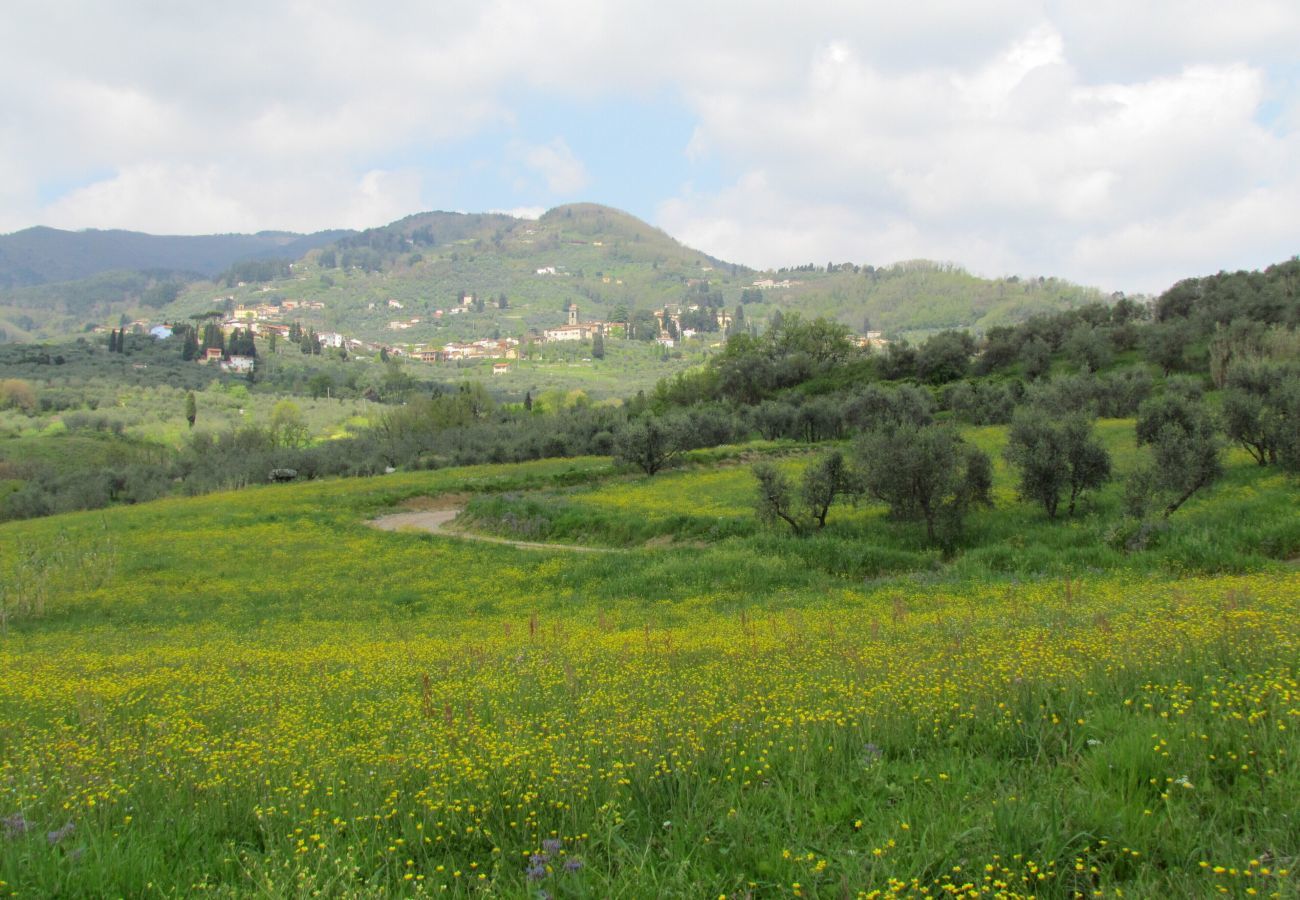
(500, 368)
(574, 330)
(240, 365)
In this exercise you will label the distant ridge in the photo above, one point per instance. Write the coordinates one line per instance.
(44, 255)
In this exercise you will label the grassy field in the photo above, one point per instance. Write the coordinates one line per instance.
(255, 693)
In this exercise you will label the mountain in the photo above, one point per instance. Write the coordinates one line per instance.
(403, 283)
(45, 255)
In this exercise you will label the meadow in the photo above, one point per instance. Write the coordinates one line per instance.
(254, 693)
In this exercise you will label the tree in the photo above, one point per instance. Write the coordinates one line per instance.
(1260, 410)
(320, 385)
(1166, 343)
(287, 426)
(1089, 347)
(16, 393)
(877, 408)
(822, 482)
(926, 473)
(502, 302)
(598, 346)
(528, 401)
(650, 443)
(774, 501)
(191, 408)
(945, 357)
(1184, 438)
(1036, 357)
(1055, 455)
(112, 341)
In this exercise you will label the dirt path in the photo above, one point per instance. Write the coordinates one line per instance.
(436, 521)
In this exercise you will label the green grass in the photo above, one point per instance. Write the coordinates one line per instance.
(256, 694)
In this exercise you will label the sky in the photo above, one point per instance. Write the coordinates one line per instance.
(1117, 143)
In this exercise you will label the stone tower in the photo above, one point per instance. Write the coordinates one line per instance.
(573, 314)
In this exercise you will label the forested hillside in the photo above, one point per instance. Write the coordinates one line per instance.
(524, 273)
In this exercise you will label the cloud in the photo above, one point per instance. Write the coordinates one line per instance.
(563, 172)
(1014, 163)
(170, 198)
(1094, 140)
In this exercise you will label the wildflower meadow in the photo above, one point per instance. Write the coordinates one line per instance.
(257, 694)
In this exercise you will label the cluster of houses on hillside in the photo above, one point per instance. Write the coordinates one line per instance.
(266, 312)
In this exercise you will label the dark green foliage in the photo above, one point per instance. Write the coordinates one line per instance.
(598, 346)
(191, 408)
(1089, 347)
(983, 402)
(1184, 438)
(1261, 409)
(1036, 357)
(1055, 455)
(927, 473)
(945, 357)
(162, 293)
(650, 443)
(897, 362)
(1165, 344)
(877, 408)
(256, 271)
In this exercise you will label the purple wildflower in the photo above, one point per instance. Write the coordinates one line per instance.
(55, 836)
(572, 864)
(536, 872)
(15, 825)
(552, 845)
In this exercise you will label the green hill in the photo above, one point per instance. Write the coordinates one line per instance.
(608, 262)
(43, 255)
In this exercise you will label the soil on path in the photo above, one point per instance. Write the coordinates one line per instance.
(439, 521)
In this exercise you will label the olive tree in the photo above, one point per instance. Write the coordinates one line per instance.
(1055, 456)
(927, 473)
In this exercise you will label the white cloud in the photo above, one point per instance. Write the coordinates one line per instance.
(563, 172)
(1015, 163)
(169, 199)
(1097, 140)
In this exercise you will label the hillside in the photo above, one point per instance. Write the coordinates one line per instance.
(256, 693)
(608, 262)
(44, 255)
